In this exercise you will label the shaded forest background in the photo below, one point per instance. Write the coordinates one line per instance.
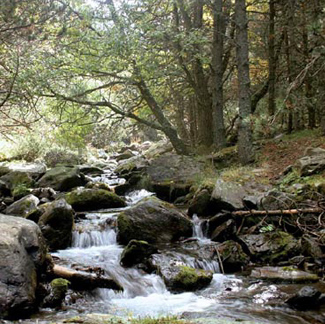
(205, 74)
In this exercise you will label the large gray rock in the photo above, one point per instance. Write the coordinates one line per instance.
(228, 195)
(313, 162)
(271, 247)
(22, 258)
(33, 169)
(56, 224)
(154, 221)
(23, 206)
(284, 274)
(62, 178)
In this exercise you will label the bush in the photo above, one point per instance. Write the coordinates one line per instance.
(29, 148)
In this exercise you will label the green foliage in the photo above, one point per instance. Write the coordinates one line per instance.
(29, 147)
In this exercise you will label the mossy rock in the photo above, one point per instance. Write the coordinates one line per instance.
(62, 178)
(92, 199)
(18, 183)
(136, 252)
(59, 288)
(154, 221)
(23, 207)
(184, 278)
(233, 257)
(56, 223)
(271, 247)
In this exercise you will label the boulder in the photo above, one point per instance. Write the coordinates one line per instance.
(178, 275)
(202, 204)
(126, 167)
(62, 178)
(277, 200)
(41, 193)
(82, 199)
(312, 163)
(154, 150)
(232, 256)
(58, 290)
(56, 224)
(98, 185)
(34, 169)
(284, 274)
(154, 221)
(184, 278)
(23, 206)
(22, 260)
(228, 195)
(171, 176)
(90, 170)
(224, 232)
(306, 298)
(127, 154)
(136, 252)
(271, 247)
(18, 182)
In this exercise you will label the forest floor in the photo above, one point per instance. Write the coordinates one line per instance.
(277, 154)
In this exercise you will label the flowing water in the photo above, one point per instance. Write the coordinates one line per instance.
(227, 297)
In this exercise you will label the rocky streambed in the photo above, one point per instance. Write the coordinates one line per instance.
(146, 257)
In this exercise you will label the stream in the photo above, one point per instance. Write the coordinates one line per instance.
(229, 297)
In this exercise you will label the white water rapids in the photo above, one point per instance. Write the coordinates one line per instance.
(94, 244)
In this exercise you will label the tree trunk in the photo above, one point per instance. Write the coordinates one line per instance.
(219, 29)
(272, 59)
(309, 93)
(204, 102)
(245, 147)
(167, 127)
(84, 280)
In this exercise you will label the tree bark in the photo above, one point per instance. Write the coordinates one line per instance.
(84, 280)
(245, 147)
(272, 59)
(309, 92)
(167, 127)
(219, 29)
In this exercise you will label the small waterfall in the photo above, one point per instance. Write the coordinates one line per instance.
(198, 231)
(93, 238)
(135, 196)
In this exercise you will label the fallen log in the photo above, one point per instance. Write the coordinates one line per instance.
(278, 212)
(84, 280)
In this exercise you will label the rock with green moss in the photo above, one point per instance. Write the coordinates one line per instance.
(179, 278)
(62, 178)
(58, 290)
(133, 164)
(82, 199)
(23, 206)
(136, 252)
(18, 183)
(232, 256)
(271, 247)
(56, 224)
(154, 221)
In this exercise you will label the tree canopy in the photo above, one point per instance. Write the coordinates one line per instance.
(192, 70)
